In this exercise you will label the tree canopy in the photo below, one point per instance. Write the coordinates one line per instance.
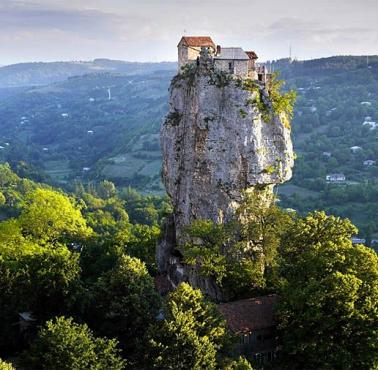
(64, 345)
(329, 300)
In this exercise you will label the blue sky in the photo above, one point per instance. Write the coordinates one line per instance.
(148, 30)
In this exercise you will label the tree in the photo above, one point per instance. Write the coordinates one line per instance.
(99, 256)
(48, 215)
(124, 302)
(239, 255)
(190, 335)
(5, 365)
(2, 199)
(328, 313)
(240, 364)
(64, 345)
(106, 189)
(142, 244)
(45, 283)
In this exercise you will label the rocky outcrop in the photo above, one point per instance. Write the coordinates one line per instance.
(215, 146)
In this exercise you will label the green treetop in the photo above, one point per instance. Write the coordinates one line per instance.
(329, 300)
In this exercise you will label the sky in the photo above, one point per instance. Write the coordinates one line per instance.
(149, 30)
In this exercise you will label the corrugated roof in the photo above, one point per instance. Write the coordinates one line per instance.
(197, 41)
(251, 314)
(232, 53)
(251, 55)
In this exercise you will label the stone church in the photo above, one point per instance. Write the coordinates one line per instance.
(233, 60)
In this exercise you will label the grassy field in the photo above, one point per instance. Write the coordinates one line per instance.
(58, 170)
(290, 189)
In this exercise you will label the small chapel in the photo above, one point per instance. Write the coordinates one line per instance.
(233, 60)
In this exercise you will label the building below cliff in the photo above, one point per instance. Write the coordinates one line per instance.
(233, 60)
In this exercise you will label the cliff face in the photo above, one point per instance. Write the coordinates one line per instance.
(215, 146)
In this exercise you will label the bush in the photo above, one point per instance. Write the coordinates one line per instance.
(65, 345)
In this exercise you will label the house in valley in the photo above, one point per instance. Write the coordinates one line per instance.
(355, 149)
(253, 321)
(369, 163)
(356, 240)
(336, 177)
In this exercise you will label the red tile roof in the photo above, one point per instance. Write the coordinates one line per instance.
(197, 41)
(250, 314)
(252, 55)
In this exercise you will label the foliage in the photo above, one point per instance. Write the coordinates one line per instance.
(43, 281)
(106, 189)
(64, 345)
(190, 334)
(142, 244)
(48, 215)
(220, 78)
(240, 364)
(187, 73)
(282, 103)
(270, 101)
(239, 255)
(5, 365)
(329, 301)
(123, 302)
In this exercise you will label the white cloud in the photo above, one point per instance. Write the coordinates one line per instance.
(150, 29)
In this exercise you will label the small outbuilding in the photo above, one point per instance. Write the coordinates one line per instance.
(336, 177)
(253, 321)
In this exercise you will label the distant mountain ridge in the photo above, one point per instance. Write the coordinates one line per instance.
(44, 73)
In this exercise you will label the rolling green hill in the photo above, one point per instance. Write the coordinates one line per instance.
(336, 109)
(91, 126)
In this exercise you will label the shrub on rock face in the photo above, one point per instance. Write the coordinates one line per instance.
(65, 345)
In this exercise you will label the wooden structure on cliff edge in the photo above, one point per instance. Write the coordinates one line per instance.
(233, 60)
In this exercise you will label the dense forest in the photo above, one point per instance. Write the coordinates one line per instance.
(103, 123)
(78, 284)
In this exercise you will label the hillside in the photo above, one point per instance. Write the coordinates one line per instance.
(336, 109)
(74, 129)
(31, 74)
(71, 130)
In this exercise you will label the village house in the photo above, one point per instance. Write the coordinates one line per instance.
(368, 163)
(373, 125)
(358, 240)
(355, 149)
(253, 321)
(233, 60)
(336, 177)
